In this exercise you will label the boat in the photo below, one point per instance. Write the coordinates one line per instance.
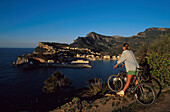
(80, 62)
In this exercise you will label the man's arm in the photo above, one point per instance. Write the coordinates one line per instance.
(116, 65)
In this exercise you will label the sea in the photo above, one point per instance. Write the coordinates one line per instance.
(20, 87)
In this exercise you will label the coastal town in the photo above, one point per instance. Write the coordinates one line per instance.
(59, 55)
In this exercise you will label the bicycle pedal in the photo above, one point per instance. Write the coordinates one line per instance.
(131, 91)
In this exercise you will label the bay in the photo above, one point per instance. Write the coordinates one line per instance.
(19, 87)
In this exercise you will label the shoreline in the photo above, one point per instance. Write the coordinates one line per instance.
(27, 66)
(67, 65)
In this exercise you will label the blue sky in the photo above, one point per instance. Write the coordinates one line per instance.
(24, 23)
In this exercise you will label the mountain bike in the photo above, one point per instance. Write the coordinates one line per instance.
(143, 92)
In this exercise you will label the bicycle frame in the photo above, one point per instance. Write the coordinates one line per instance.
(132, 88)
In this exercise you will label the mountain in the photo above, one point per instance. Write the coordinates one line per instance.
(113, 44)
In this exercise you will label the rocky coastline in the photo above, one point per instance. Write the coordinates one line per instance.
(59, 55)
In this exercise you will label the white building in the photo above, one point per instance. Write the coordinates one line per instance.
(118, 57)
(106, 57)
(50, 61)
(90, 56)
(78, 56)
(114, 58)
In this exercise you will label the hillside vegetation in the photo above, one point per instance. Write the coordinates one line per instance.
(156, 55)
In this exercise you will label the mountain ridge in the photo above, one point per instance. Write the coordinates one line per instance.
(113, 44)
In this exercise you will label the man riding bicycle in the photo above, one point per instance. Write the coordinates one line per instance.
(131, 65)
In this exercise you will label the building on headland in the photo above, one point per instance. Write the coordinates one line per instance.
(114, 58)
(66, 47)
(97, 57)
(83, 56)
(50, 61)
(89, 56)
(106, 57)
(118, 57)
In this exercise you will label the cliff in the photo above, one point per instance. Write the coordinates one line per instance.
(44, 48)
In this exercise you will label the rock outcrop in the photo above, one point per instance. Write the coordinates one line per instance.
(44, 48)
(21, 60)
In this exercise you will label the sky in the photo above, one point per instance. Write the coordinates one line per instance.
(24, 23)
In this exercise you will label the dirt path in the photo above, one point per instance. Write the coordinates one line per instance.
(161, 105)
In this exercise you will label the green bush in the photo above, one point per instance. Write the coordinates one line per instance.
(158, 59)
(159, 66)
(156, 55)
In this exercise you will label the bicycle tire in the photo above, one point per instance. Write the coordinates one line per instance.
(144, 77)
(141, 93)
(115, 83)
(156, 86)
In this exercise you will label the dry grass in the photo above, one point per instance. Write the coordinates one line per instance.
(97, 87)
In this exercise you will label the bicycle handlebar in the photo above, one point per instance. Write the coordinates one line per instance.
(119, 66)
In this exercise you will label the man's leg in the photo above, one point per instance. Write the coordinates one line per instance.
(136, 81)
(129, 77)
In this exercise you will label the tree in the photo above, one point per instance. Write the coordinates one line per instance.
(56, 83)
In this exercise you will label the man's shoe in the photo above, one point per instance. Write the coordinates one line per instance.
(121, 93)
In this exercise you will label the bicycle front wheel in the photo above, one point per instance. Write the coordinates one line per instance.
(145, 94)
(115, 83)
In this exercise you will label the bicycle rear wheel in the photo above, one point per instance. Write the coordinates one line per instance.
(115, 83)
(144, 77)
(145, 94)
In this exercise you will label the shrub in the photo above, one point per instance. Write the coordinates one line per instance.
(159, 66)
(156, 57)
(75, 100)
(97, 87)
(117, 103)
(55, 83)
(160, 46)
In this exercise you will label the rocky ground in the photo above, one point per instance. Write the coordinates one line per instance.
(114, 103)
